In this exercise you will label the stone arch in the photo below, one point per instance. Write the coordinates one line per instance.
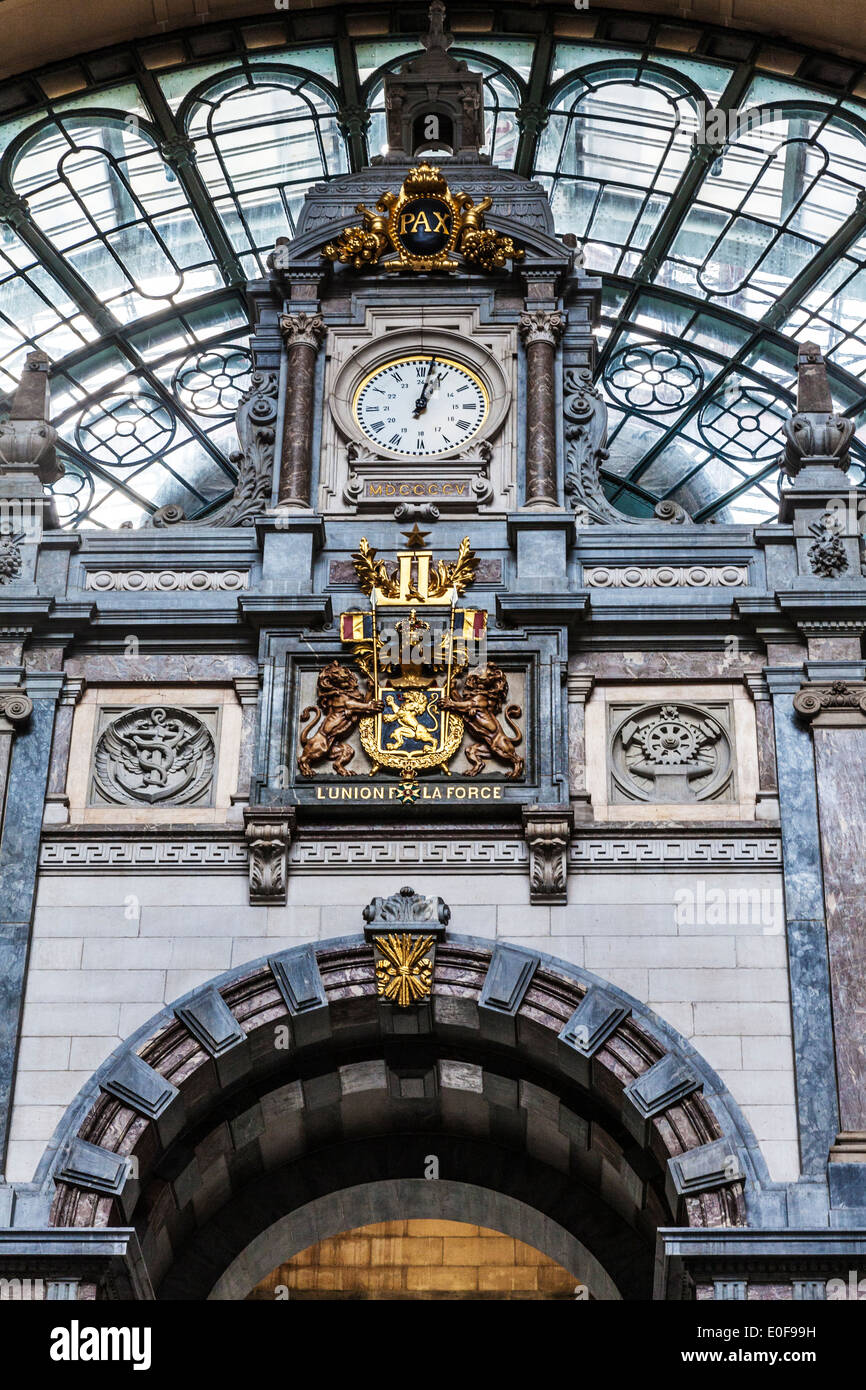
(529, 1079)
(408, 1197)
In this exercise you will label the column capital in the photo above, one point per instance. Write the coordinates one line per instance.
(307, 330)
(16, 708)
(541, 326)
(837, 705)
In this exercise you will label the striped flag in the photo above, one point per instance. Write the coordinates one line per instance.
(474, 623)
(356, 627)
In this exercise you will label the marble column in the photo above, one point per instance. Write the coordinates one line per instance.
(837, 714)
(56, 800)
(15, 710)
(247, 690)
(806, 929)
(302, 334)
(541, 330)
(579, 687)
(19, 861)
(767, 807)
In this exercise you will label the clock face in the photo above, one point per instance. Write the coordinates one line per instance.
(421, 406)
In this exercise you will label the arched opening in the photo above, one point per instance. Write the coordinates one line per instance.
(418, 1259)
(284, 1105)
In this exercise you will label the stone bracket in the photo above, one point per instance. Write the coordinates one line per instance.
(139, 1086)
(597, 1016)
(296, 972)
(548, 834)
(702, 1169)
(268, 831)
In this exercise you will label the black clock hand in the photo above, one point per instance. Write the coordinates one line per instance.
(421, 403)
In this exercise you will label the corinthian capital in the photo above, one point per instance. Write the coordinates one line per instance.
(541, 326)
(306, 329)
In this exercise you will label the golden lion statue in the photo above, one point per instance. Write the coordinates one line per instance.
(480, 701)
(340, 704)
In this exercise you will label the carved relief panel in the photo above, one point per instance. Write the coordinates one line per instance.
(419, 412)
(672, 752)
(156, 754)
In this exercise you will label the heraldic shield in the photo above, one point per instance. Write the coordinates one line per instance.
(409, 652)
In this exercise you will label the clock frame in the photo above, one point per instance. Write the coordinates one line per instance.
(479, 471)
(415, 415)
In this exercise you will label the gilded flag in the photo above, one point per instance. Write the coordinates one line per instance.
(356, 627)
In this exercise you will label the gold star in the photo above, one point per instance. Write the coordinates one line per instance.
(415, 539)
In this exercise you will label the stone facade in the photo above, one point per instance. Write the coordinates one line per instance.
(633, 849)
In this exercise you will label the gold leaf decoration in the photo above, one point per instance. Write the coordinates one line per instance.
(372, 573)
(405, 974)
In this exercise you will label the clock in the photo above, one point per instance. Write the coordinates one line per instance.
(421, 405)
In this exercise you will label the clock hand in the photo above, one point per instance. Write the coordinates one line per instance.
(421, 403)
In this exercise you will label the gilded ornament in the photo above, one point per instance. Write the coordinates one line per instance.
(424, 224)
(404, 974)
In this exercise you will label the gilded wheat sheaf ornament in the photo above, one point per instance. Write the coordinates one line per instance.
(405, 974)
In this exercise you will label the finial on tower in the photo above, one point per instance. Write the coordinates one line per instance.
(437, 37)
(434, 104)
(815, 435)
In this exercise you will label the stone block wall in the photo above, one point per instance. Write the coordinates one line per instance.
(705, 948)
(419, 1259)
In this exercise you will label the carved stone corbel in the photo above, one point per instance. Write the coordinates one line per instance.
(268, 831)
(548, 834)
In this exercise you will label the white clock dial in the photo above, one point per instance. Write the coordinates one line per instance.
(421, 406)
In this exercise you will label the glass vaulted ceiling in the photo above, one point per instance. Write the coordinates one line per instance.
(141, 186)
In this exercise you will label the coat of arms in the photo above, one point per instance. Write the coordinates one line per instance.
(422, 655)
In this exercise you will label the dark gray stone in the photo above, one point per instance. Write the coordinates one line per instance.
(213, 1025)
(143, 1089)
(596, 1017)
(663, 1084)
(700, 1170)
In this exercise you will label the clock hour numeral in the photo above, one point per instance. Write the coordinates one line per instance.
(378, 424)
(394, 440)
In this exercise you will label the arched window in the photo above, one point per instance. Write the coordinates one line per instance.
(99, 189)
(787, 179)
(612, 154)
(261, 137)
